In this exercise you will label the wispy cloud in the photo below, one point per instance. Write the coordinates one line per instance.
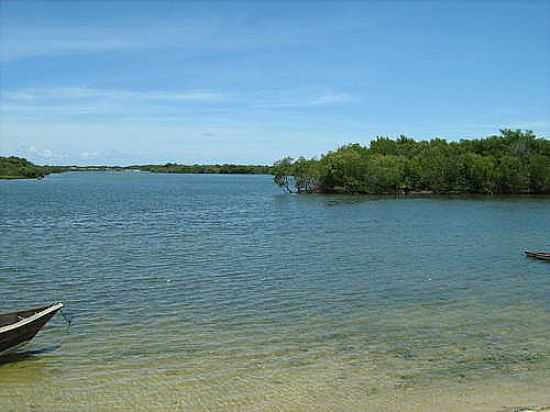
(78, 93)
(329, 98)
(299, 98)
(90, 101)
(21, 41)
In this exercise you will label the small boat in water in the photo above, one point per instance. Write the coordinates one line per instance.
(538, 255)
(18, 328)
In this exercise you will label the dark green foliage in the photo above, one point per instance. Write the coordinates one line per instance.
(514, 162)
(18, 168)
(539, 173)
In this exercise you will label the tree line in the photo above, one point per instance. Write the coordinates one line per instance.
(205, 169)
(513, 162)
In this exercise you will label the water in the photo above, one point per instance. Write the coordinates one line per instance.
(207, 292)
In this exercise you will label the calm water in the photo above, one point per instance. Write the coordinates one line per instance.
(206, 292)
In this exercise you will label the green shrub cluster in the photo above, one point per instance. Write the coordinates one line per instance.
(514, 162)
(16, 167)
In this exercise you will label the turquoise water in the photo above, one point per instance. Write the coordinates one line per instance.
(208, 292)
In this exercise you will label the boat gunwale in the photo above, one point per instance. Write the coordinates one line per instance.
(534, 254)
(53, 308)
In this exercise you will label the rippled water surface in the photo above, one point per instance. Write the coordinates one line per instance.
(207, 292)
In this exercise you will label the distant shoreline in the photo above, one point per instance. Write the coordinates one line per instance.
(126, 170)
(18, 168)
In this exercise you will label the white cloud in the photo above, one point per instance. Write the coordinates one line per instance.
(38, 153)
(88, 155)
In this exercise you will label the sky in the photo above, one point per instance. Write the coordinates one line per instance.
(135, 82)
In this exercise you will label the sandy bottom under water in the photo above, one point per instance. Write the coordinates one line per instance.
(29, 385)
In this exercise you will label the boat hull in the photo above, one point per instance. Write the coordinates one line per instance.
(18, 328)
(538, 255)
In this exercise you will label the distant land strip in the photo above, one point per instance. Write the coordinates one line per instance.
(19, 168)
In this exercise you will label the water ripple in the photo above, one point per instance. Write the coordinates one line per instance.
(220, 293)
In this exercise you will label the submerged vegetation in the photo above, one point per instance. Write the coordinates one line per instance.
(514, 162)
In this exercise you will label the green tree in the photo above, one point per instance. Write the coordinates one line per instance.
(344, 170)
(512, 175)
(385, 173)
(539, 173)
(282, 171)
(478, 174)
(307, 174)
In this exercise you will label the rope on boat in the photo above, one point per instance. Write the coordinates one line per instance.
(68, 318)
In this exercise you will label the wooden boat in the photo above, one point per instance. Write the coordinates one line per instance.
(18, 328)
(538, 255)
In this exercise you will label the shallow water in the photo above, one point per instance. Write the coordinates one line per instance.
(208, 292)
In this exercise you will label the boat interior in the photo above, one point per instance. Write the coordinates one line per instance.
(14, 317)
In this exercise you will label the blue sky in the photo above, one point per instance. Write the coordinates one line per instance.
(205, 82)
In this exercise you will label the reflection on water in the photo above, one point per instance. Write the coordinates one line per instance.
(193, 292)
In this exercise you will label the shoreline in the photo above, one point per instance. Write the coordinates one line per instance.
(396, 195)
